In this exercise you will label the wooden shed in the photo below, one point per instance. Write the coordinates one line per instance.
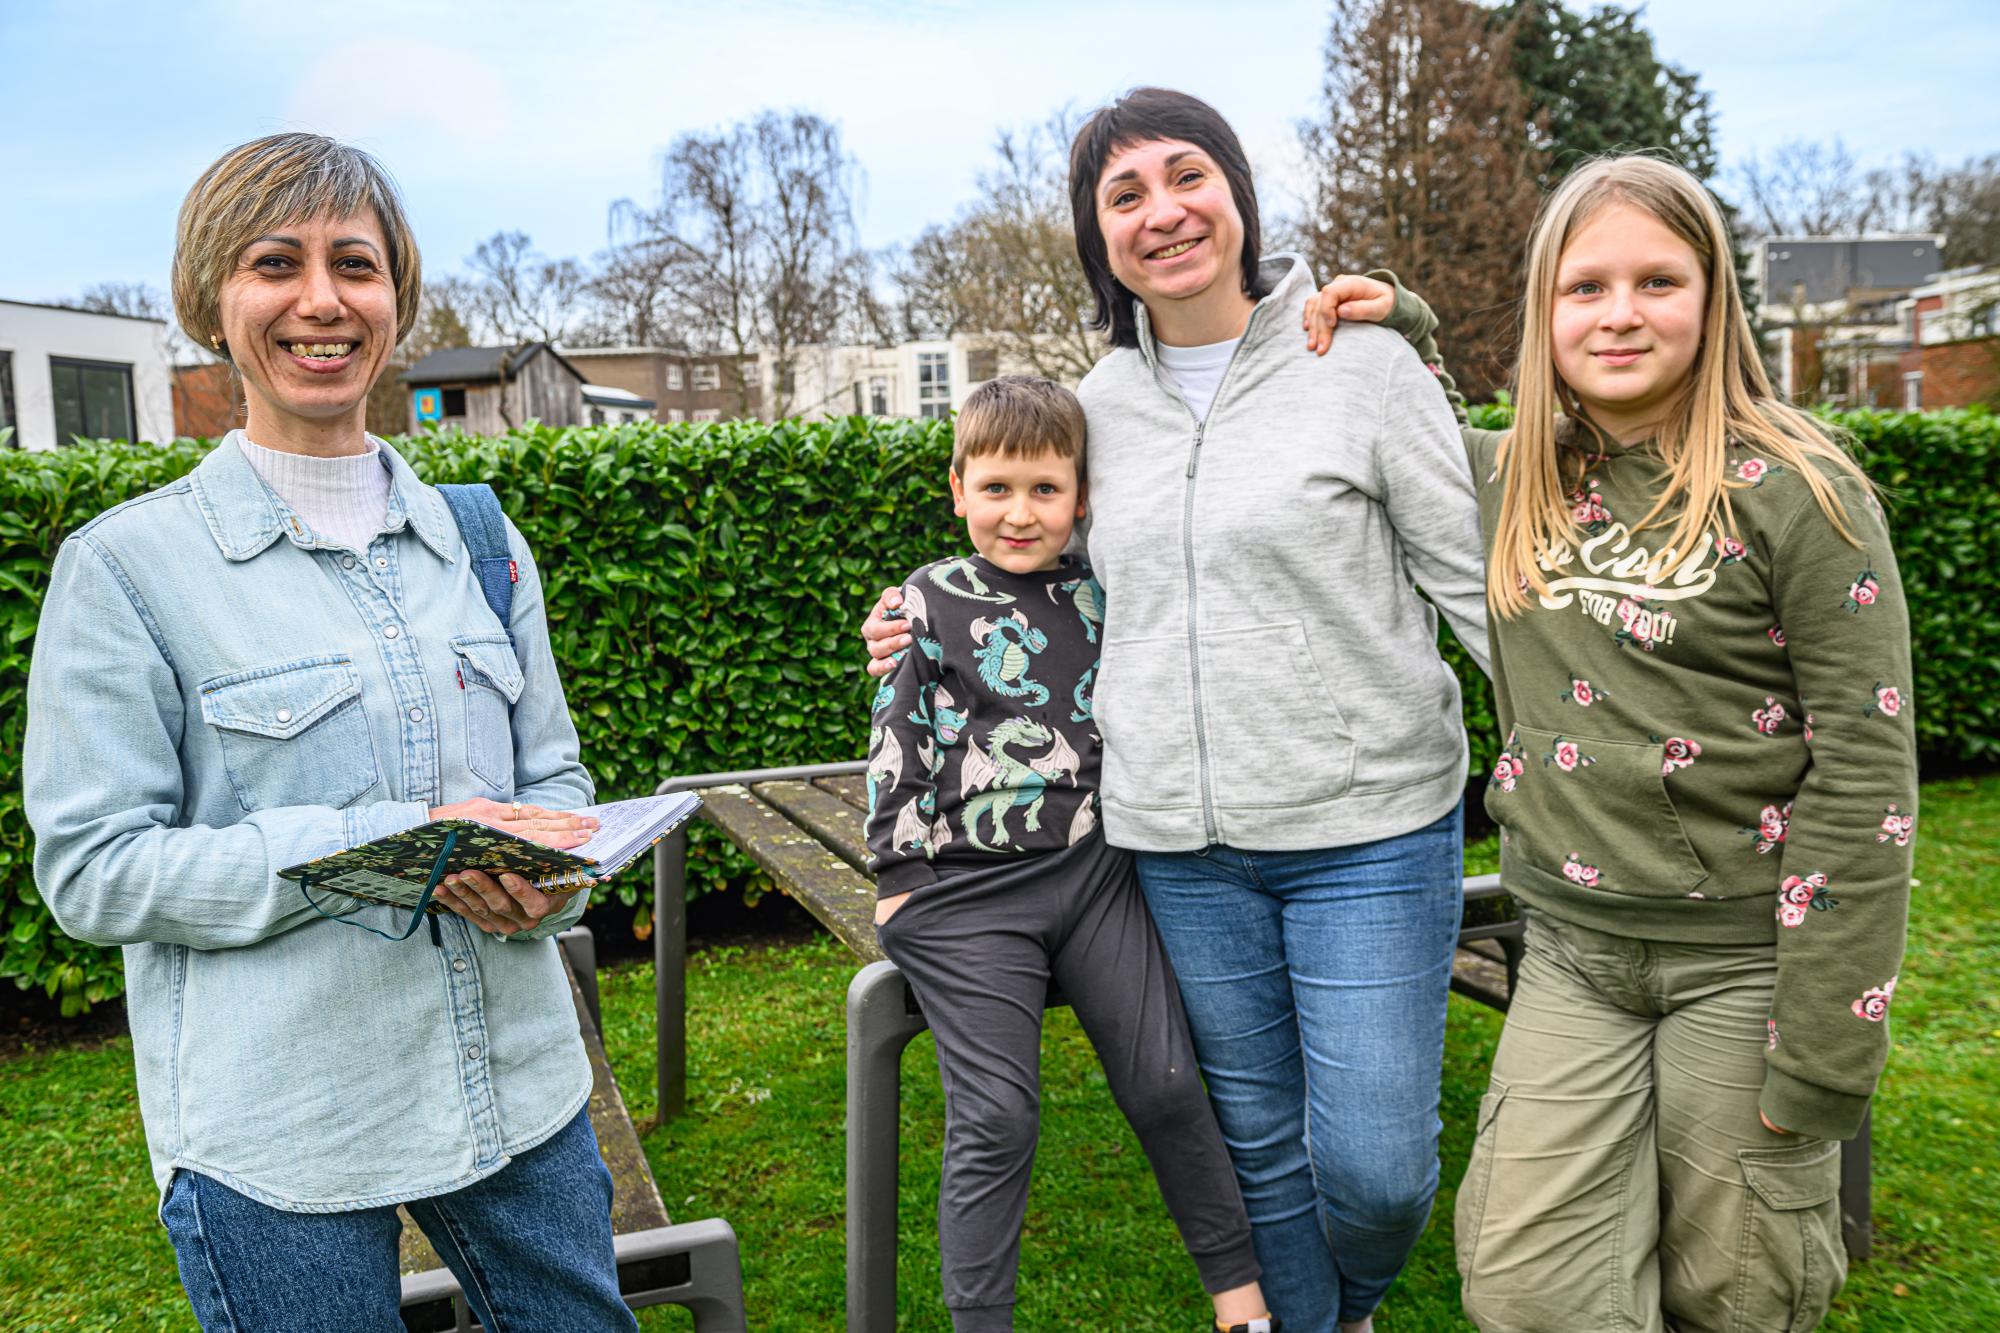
(487, 390)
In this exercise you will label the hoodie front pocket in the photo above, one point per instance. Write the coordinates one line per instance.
(1144, 710)
(1593, 812)
(1273, 726)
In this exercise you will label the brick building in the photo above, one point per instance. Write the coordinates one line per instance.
(208, 401)
(682, 385)
(1952, 357)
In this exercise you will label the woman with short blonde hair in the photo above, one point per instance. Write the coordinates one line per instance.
(284, 653)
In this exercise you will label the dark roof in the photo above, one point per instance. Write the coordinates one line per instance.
(1829, 267)
(475, 365)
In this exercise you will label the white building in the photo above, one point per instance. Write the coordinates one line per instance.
(912, 379)
(65, 373)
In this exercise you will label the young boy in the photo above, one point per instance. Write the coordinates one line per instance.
(994, 880)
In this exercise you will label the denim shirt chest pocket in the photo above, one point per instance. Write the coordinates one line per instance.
(293, 733)
(490, 676)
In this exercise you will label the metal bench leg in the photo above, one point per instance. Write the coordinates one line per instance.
(579, 947)
(1857, 1221)
(881, 1019)
(670, 973)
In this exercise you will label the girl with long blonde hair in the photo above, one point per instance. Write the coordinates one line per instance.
(1706, 794)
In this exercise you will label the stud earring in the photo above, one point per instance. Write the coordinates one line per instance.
(214, 342)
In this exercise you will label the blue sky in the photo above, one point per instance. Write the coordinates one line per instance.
(536, 116)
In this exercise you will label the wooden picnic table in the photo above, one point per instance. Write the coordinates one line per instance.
(805, 826)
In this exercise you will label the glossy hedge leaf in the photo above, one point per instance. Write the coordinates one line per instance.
(705, 584)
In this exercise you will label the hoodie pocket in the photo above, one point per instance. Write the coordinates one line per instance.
(1594, 813)
(1143, 706)
(1275, 732)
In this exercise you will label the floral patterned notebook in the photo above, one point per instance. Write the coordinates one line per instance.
(395, 869)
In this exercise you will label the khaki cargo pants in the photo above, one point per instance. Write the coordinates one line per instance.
(1621, 1178)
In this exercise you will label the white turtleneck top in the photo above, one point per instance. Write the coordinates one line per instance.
(344, 499)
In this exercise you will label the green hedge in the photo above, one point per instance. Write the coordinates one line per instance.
(704, 584)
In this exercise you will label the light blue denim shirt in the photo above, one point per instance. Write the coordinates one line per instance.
(217, 693)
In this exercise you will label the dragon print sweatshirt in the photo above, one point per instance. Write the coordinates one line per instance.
(981, 743)
(1719, 748)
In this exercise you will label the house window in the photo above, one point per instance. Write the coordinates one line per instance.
(454, 402)
(708, 414)
(597, 416)
(934, 384)
(1913, 391)
(93, 399)
(675, 414)
(674, 376)
(707, 377)
(7, 392)
(878, 396)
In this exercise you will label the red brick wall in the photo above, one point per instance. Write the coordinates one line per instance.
(206, 402)
(1959, 374)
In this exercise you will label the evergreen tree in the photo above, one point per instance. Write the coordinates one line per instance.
(1422, 163)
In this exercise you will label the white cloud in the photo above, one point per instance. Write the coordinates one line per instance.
(401, 89)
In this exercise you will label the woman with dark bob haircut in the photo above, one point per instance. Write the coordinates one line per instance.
(284, 653)
(1283, 746)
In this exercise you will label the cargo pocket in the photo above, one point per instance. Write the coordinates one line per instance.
(491, 676)
(293, 734)
(1791, 1261)
(1469, 1210)
(1594, 813)
(1275, 732)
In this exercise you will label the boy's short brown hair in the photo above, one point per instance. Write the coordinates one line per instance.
(1019, 416)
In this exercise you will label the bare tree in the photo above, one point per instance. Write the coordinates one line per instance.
(1006, 266)
(140, 300)
(752, 248)
(1423, 164)
(635, 278)
(525, 296)
(1806, 188)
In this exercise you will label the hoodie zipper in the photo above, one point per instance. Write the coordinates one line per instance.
(1187, 557)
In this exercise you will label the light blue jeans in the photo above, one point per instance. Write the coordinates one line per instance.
(530, 1246)
(1315, 984)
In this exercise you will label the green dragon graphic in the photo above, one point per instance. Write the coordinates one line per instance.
(1088, 594)
(1007, 781)
(1005, 647)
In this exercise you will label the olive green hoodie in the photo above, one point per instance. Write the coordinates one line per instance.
(1723, 751)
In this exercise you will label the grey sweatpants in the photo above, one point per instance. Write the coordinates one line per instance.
(980, 949)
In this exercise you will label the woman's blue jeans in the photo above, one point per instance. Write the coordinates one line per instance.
(530, 1245)
(1315, 984)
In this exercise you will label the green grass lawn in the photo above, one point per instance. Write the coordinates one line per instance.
(761, 1145)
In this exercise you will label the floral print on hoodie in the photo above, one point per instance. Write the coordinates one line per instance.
(1717, 806)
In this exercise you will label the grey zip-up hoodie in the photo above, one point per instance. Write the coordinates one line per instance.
(1270, 678)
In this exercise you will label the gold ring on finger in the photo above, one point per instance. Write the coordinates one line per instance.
(517, 810)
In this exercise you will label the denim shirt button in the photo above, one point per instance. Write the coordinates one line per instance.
(458, 965)
(284, 715)
(391, 632)
(347, 562)
(472, 1052)
(416, 715)
(381, 562)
